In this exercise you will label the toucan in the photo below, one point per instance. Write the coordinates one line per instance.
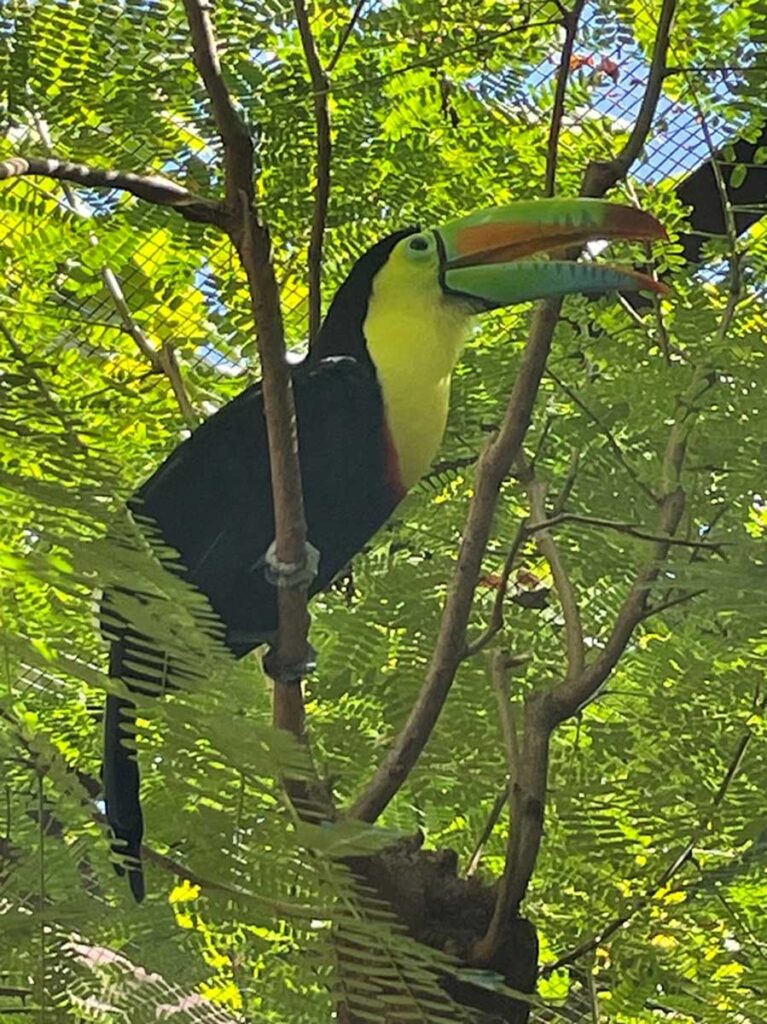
(371, 404)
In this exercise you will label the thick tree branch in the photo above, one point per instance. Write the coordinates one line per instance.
(251, 240)
(494, 465)
(153, 188)
(544, 710)
(238, 145)
(320, 88)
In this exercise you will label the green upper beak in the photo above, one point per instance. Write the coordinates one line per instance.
(485, 257)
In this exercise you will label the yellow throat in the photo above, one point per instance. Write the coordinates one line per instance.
(414, 337)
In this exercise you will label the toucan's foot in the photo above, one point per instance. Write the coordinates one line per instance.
(292, 673)
(291, 574)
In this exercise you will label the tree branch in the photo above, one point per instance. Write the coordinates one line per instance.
(570, 20)
(153, 188)
(602, 175)
(320, 87)
(349, 28)
(494, 465)
(496, 619)
(164, 361)
(492, 820)
(543, 710)
(632, 529)
(499, 666)
(50, 400)
(606, 432)
(569, 696)
(238, 145)
(536, 491)
(251, 240)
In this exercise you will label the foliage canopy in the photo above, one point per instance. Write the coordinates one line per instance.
(437, 108)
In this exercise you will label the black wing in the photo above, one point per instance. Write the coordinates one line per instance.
(212, 498)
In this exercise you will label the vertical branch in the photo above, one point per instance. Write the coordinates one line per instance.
(570, 20)
(602, 175)
(251, 240)
(345, 34)
(319, 82)
(562, 584)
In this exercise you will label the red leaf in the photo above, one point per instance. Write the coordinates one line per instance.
(610, 68)
(579, 60)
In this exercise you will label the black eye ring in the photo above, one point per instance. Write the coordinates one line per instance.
(419, 243)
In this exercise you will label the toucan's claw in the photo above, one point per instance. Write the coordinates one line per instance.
(292, 673)
(291, 574)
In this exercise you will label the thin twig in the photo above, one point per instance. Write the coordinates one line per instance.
(568, 599)
(570, 695)
(606, 432)
(632, 529)
(558, 505)
(656, 609)
(496, 618)
(153, 188)
(348, 29)
(50, 400)
(664, 342)
(735, 284)
(591, 988)
(487, 830)
(570, 20)
(162, 362)
(499, 665)
(320, 88)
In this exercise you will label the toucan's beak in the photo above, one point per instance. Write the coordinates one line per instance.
(486, 257)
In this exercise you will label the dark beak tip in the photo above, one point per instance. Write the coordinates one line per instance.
(630, 222)
(650, 284)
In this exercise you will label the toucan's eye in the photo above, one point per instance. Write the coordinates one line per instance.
(419, 246)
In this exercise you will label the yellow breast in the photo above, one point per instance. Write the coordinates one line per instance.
(414, 338)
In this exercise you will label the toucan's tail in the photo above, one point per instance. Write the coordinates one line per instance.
(121, 779)
(133, 659)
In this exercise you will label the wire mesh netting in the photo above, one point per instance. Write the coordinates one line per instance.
(104, 284)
